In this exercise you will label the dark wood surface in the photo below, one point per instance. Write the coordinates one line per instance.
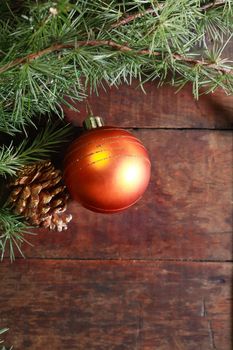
(117, 305)
(186, 212)
(155, 277)
(130, 107)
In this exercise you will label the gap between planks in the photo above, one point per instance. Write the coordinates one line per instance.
(127, 260)
(167, 128)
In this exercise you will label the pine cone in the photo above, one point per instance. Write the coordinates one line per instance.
(38, 194)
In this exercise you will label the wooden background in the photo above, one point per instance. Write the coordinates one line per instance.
(157, 276)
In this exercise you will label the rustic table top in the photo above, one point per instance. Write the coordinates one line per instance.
(157, 276)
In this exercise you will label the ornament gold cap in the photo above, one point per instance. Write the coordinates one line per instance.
(92, 122)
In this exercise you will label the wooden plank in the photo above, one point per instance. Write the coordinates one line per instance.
(160, 107)
(186, 213)
(116, 305)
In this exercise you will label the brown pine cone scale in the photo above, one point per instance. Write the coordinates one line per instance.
(38, 193)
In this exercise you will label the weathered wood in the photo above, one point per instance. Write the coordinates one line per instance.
(186, 213)
(104, 305)
(161, 107)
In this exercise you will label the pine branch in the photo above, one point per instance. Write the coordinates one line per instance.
(74, 45)
(151, 10)
(47, 55)
(4, 330)
(114, 45)
(12, 233)
(213, 4)
(12, 227)
(13, 158)
(129, 18)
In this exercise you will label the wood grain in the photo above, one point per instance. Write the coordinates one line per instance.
(186, 213)
(145, 280)
(116, 305)
(129, 106)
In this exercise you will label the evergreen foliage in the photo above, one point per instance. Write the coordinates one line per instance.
(4, 330)
(53, 49)
(13, 228)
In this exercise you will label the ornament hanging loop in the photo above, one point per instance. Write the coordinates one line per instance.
(88, 108)
(92, 122)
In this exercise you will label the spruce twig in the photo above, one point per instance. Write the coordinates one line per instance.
(4, 330)
(159, 6)
(12, 233)
(48, 55)
(129, 18)
(213, 4)
(46, 142)
(13, 228)
(114, 45)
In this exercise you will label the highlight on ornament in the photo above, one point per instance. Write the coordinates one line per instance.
(107, 169)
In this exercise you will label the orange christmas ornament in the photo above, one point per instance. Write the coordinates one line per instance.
(107, 169)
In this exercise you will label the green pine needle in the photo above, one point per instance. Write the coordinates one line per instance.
(38, 84)
(4, 330)
(12, 233)
(12, 227)
(46, 142)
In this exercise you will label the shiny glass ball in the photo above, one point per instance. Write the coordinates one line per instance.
(107, 169)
